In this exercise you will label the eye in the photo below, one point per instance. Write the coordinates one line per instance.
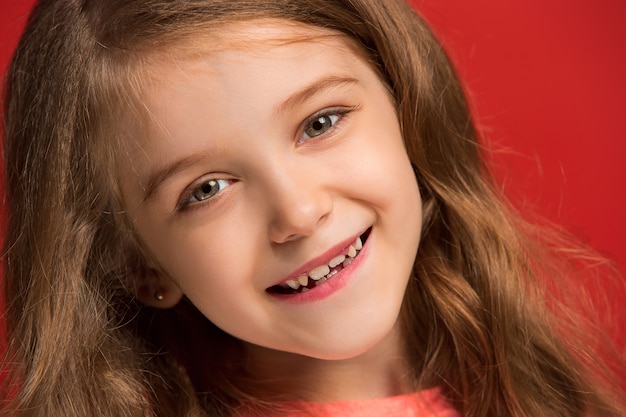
(324, 121)
(206, 190)
(320, 124)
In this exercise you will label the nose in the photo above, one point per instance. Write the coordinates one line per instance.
(299, 203)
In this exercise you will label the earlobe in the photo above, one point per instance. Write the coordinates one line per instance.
(158, 291)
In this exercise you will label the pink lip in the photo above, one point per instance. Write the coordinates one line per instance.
(329, 287)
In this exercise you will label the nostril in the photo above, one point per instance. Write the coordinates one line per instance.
(292, 237)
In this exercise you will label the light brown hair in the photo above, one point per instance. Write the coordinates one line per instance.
(80, 344)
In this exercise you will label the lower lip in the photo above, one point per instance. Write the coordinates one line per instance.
(331, 286)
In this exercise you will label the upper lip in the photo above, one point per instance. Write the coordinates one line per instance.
(322, 259)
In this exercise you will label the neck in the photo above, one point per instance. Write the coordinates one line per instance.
(382, 371)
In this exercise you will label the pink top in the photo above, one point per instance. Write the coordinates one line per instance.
(427, 403)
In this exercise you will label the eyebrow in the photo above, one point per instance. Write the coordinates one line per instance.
(158, 177)
(304, 94)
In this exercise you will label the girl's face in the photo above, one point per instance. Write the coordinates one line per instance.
(269, 157)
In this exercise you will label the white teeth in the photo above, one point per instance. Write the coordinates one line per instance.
(336, 261)
(293, 284)
(322, 273)
(319, 272)
(303, 280)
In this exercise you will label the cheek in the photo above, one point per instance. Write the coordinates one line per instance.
(208, 256)
(392, 185)
(385, 171)
(219, 270)
(384, 153)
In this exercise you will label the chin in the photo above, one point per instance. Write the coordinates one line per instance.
(358, 341)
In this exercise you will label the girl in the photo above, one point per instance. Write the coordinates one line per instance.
(223, 207)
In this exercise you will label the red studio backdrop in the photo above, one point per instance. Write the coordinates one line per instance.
(547, 81)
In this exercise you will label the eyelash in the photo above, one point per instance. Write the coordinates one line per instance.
(338, 112)
(186, 202)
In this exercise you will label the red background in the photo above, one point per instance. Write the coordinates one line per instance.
(548, 84)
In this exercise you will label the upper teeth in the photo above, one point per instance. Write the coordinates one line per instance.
(336, 261)
(320, 271)
(303, 279)
(323, 272)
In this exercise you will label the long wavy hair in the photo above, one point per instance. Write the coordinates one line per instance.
(478, 316)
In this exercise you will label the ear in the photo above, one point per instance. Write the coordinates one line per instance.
(157, 290)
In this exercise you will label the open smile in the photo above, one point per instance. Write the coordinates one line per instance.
(319, 275)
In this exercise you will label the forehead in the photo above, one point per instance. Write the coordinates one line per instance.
(231, 46)
(251, 34)
(247, 36)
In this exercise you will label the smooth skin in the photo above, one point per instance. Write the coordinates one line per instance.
(271, 144)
